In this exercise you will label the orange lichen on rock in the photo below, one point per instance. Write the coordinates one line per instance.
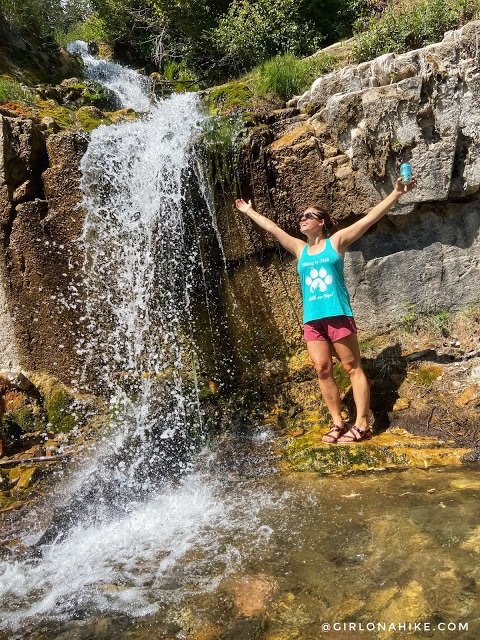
(17, 109)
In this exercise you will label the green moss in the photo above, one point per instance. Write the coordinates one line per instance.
(89, 118)
(424, 376)
(341, 377)
(229, 97)
(310, 454)
(63, 117)
(59, 405)
(25, 416)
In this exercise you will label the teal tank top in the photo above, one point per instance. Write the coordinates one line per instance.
(323, 285)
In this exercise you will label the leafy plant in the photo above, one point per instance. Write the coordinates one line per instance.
(12, 91)
(410, 24)
(253, 31)
(443, 322)
(408, 319)
(91, 30)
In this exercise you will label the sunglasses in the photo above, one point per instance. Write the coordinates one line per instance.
(309, 215)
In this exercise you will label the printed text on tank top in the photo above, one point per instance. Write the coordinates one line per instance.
(323, 286)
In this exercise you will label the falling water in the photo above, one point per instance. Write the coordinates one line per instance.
(130, 88)
(141, 261)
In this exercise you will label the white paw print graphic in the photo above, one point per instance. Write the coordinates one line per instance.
(318, 280)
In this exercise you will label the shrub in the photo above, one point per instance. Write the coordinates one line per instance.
(410, 25)
(287, 75)
(253, 31)
(91, 30)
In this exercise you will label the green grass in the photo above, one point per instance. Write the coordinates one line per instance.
(287, 75)
(12, 91)
(410, 25)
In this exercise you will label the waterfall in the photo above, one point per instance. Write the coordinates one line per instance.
(140, 262)
(130, 88)
(142, 258)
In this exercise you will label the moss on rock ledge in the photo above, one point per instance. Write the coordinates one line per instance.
(90, 118)
(393, 449)
(229, 97)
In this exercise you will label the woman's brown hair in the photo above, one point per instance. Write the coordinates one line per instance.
(330, 225)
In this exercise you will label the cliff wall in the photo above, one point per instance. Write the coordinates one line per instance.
(341, 145)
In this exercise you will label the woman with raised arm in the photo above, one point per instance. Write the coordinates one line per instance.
(327, 315)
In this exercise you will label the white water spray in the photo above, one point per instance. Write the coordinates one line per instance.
(130, 88)
(140, 261)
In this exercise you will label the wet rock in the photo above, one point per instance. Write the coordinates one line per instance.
(400, 404)
(396, 448)
(49, 123)
(343, 610)
(90, 118)
(471, 483)
(473, 543)
(409, 605)
(28, 477)
(251, 594)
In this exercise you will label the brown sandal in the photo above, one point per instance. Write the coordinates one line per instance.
(334, 433)
(354, 434)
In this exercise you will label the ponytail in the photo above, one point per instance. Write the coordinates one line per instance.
(330, 225)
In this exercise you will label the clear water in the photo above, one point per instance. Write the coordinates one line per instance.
(130, 88)
(268, 557)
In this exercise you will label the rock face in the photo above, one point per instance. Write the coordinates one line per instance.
(40, 222)
(341, 145)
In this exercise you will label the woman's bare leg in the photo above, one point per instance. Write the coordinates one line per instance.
(349, 353)
(320, 351)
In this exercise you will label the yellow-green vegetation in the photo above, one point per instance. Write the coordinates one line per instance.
(178, 77)
(59, 405)
(62, 409)
(229, 97)
(89, 118)
(424, 376)
(287, 75)
(91, 30)
(13, 91)
(23, 415)
(64, 117)
(307, 452)
(341, 378)
(410, 24)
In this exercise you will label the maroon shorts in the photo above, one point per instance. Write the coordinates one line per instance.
(332, 329)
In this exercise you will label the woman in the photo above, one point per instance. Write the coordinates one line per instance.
(328, 318)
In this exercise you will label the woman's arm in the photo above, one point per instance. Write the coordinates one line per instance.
(346, 236)
(294, 245)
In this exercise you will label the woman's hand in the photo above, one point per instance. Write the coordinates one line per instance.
(242, 205)
(401, 188)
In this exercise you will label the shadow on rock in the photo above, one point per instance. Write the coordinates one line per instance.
(386, 373)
